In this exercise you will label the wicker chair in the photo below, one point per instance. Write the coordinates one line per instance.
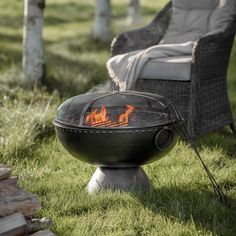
(202, 101)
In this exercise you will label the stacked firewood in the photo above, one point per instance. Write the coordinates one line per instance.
(17, 208)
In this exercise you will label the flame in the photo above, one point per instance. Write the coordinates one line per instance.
(97, 119)
(124, 118)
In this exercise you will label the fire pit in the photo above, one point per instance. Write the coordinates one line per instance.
(118, 132)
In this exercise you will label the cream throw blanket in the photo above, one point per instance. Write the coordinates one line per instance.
(124, 69)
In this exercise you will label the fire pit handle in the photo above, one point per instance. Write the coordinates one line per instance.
(163, 138)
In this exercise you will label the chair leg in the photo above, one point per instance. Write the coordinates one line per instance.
(232, 127)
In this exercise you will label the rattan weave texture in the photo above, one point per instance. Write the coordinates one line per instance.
(203, 101)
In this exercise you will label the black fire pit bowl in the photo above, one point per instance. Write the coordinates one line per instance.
(118, 147)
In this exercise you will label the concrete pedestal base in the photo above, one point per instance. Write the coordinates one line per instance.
(124, 179)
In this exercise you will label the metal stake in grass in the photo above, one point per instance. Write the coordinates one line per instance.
(182, 128)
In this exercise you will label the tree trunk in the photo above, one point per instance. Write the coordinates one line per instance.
(33, 52)
(102, 26)
(134, 16)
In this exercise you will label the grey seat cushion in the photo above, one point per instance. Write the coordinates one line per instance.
(192, 19)
(168, 68)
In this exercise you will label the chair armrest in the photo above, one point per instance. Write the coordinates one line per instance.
(144, 37)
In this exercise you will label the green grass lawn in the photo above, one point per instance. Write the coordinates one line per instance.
(181, 202)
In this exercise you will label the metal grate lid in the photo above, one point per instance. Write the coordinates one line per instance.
(115, 110)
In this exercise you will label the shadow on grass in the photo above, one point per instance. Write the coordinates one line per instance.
(80, 76)
(223, 139)
(146, 11)
(87, 43)
(10, 57)
(198, 206)
(11, 38)
(14, 22)
(9, 54)
(120, 11)
(68, 76)
(68, 12)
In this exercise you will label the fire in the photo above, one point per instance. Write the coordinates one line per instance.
(97, 119)
(124, 118)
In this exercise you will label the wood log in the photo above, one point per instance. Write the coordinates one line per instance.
(5, 172)
(10, 181)
(14, 199)
(35, 225)
(13, 225)
(43, 233)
